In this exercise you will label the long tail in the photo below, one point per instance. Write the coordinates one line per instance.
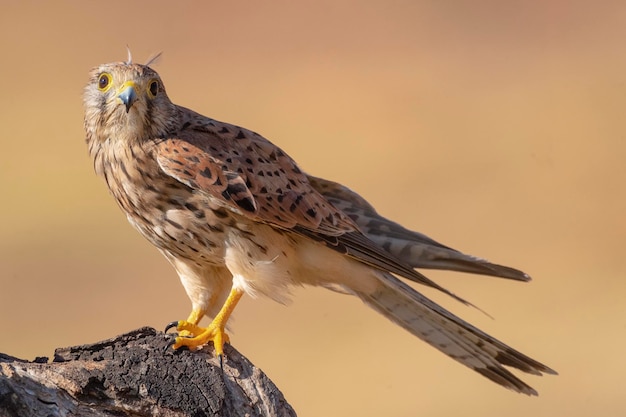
(450, 334)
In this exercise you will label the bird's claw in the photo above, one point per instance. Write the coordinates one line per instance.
(194, 337)
(171, 325)
(172, 342)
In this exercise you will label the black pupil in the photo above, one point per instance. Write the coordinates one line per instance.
(103, 81)
(154, 88)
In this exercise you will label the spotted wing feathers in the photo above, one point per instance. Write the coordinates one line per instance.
(246, 173)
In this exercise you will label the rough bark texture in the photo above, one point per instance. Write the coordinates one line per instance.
(135, 374)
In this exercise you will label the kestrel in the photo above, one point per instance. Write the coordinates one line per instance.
(234, 215)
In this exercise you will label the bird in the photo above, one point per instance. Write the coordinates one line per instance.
(234, 214)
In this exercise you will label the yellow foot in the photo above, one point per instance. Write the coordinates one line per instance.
(194, 337)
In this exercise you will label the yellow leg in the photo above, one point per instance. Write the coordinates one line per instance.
(195, 316)
(214, 332)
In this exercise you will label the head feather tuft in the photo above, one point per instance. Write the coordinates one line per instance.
(153, 59)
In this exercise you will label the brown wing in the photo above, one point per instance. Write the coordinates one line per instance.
(246, 173)
(416, 249)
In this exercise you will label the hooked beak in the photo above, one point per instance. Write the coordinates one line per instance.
(128, 95)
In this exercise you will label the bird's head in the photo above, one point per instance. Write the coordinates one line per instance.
(127, 102)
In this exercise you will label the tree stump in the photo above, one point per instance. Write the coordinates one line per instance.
(136, 374)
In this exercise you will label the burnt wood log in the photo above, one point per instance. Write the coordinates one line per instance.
(136, 374)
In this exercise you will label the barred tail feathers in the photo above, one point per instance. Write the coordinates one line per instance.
(451, 335)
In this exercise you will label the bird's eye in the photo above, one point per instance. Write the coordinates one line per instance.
(153, 88)
(104, 81)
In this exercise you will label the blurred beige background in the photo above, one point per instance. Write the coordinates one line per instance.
(497, 128)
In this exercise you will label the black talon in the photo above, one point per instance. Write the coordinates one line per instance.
(170, 343)
(220, 357)
(169, 326)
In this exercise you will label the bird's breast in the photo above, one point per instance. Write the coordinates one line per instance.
(165, 211)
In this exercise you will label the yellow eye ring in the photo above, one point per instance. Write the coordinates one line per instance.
(104, 81)
(153, 88)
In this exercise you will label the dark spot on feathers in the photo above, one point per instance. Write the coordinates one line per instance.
(185, 126)
(240, 135)
(246, 204)
(206, 172)
(215, 228)
(123, 167)
(223, 130)
(173, 202)
(221, 213)
(237, 188)
(311, 212)
(173, 223)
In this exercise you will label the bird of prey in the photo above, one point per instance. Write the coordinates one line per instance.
(234, 215)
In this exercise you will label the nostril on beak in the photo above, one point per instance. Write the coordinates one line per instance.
(128, 97)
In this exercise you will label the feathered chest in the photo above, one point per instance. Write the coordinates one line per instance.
(165, 211)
